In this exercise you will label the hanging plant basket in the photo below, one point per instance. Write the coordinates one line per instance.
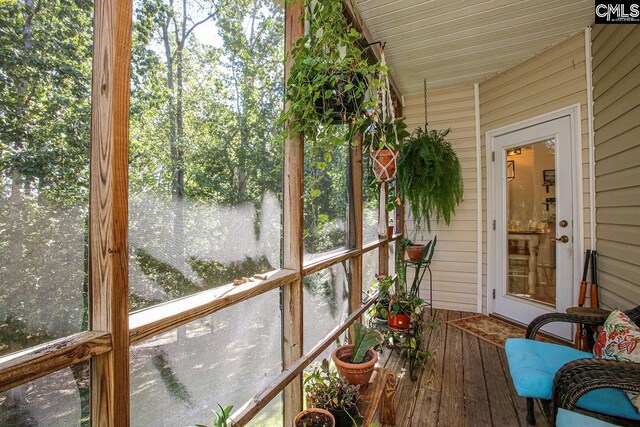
(385, 164)
(341, 101)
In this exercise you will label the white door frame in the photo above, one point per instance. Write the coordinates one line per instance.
(573, 112)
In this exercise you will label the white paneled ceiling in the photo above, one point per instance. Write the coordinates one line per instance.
(452, 42)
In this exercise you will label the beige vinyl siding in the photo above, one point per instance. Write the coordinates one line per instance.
(616, 91)
(455, 260)
(551, 80)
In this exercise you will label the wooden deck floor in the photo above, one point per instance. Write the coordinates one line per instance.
(466, 382)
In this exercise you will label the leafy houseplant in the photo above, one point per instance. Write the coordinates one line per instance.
(430, 177)
(356, 361)
(329, 78)
(325, 389)
(222, 417)
(326, 91)
(380, 308)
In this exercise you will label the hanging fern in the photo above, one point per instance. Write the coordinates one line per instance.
(430, 177)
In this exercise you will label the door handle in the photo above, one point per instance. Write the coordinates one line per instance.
(564, 238)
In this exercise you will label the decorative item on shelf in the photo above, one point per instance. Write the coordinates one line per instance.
(549, 178)
(314, 417)
(356, 361)
(511, 170)
(325, 389)
(429, 175)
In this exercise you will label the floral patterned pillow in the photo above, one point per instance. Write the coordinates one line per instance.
(620, 340)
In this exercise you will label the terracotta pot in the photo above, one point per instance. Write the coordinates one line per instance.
(317, 410)
(414, 252)
(355, 373)
(384, 158)
(399, 321)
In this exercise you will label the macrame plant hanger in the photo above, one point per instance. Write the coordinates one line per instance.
(426, 121)
(384, 172)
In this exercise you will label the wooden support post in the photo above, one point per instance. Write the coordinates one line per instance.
(383, 252)
(355, 226)
(292, 297)
(108, 222)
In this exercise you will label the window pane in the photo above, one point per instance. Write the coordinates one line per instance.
(370, 201)
(45, 115)
(326, 304)
(60, 399)
(177, 378)
(271, 416)
(370, 268)
(205, 158)
(325, 200)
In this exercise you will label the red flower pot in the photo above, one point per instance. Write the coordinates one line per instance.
(399, 321)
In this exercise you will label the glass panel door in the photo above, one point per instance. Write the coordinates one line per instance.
(533, 185)
(531, 214)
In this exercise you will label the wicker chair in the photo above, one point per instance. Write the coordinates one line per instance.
(578, 377)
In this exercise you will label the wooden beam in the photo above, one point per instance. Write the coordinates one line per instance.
(399, 220)
(168, 316)
(262, 399)
(334, 258)
(292, 297)
(343, 255)
(108, 218)
(383, 259)
(36, 362)
(355, 224)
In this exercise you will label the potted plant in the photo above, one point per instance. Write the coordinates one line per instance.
(403, 308)
(314, 417)
(329, 80)
(382, 138)
(430, 177)
(356, 361)
(325, 389)
(414, 251)
(380, 308)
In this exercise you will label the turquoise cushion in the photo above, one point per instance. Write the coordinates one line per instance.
(571, 419)
(609, 401)
(533, 364)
